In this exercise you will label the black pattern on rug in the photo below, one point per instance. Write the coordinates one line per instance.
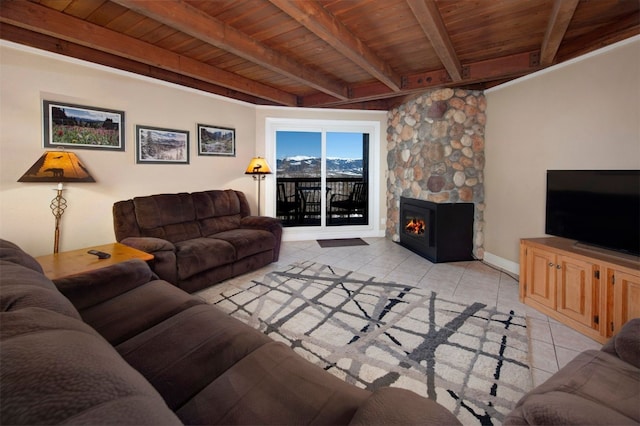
(470, 358)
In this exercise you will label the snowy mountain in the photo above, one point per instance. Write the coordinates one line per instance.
(301, 166)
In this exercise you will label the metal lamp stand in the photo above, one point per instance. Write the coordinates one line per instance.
(259, 177)
(58, 205)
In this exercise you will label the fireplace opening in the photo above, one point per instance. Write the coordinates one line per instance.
(415, 226)
(440, 232)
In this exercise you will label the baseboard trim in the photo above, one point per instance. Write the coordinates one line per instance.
(502, 263)
(308, 234)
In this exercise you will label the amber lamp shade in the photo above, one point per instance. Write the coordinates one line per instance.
(57, 166)
(258, 167)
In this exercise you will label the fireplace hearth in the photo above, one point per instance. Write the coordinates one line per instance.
(439, 232)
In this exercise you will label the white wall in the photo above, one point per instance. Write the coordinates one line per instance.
(27, 76)
(584, 114)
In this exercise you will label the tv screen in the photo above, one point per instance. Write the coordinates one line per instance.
(596, 207)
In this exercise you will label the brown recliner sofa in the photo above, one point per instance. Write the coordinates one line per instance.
(119, 346)
(199, 238)
(595, 388)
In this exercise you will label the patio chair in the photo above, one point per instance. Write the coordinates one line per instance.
(310, 196)
(355, 203)
(287, 206)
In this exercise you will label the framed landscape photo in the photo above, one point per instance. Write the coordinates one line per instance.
(155, 145)
(84, 127)
(216, 140)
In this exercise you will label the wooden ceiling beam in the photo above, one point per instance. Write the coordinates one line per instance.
(66, 48)
(47, 21)
(190, 20)
(323, 24)
(499, 68)
(561, 16)
(428, 16)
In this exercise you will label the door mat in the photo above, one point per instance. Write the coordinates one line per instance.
(342, 242)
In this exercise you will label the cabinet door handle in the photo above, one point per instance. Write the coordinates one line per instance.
(558, 267)
(550, 265)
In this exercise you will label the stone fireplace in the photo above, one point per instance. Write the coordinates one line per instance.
(440, 232)
(435, 152)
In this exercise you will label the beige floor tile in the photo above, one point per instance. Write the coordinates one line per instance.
(565, 355)
(543, 356)
(568, 338)
(539, 330)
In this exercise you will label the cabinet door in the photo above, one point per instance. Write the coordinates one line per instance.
(577, 290)
(626, 304)
(540, 282)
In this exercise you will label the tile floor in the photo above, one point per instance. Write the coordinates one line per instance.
(552, 344)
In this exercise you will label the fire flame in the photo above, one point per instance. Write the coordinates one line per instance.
(416, 226)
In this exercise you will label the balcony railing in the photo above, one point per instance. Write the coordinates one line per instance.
(299, 201)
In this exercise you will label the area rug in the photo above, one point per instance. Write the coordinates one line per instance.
(472, 359)
(342, 242)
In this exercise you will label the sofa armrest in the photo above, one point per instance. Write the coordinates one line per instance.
(265, 223)
(90, 288)
(164, 261)
(396, 406)
(149, 244)
(261, 222)
(626, 344)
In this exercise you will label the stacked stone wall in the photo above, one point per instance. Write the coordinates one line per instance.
(435, 152)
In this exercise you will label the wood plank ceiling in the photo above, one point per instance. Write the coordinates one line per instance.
(366, 54)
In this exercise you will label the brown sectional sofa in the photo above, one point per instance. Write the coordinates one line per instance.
(198, 238)
(119, 346)
(595, 388)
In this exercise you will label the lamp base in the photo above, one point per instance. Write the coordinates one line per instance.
(258, 178)
(58, 205)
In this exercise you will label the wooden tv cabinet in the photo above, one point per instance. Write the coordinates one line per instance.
(590, 290)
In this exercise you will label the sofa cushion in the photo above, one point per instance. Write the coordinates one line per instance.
(121, 317)
(247, 242)
(200, 254)
(56, 369)
(168, 216)
(274, 385)
(185, 353)
(561, 408)
(21, 287)
(217, 210)
(396, 406)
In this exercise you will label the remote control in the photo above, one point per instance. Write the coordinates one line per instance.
(100, 254)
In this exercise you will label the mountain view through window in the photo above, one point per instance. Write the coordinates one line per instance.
(299, 154)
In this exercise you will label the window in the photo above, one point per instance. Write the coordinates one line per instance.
(323, 180)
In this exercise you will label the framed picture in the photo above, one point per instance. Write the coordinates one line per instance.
(155, 145)
(216, 140)
(77, 126)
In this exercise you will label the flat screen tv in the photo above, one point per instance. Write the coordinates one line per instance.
(595, 207)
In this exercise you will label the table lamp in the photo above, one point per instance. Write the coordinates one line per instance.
(60, 167)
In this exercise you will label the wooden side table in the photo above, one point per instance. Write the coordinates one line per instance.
(74, 262)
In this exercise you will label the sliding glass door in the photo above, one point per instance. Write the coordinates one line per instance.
(347, 165)
(322, 177)
(299, 163)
